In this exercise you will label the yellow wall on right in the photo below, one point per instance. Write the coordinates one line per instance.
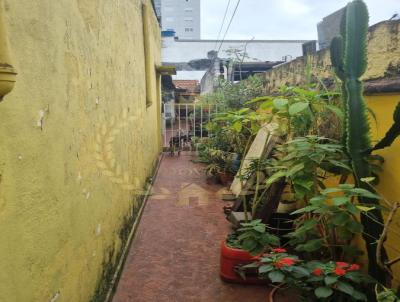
(383, 107)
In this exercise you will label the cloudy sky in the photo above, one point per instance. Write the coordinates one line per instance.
(280, 19)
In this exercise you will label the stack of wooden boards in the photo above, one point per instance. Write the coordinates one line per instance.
(241, 188)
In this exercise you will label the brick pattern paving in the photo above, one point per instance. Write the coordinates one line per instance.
(175, 254)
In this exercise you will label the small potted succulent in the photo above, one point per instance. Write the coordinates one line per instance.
(241, 247)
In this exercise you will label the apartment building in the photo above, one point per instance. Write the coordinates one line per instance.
(181, 16)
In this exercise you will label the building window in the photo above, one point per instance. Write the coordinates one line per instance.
(188, 29)
(188, 9)
(190, 19)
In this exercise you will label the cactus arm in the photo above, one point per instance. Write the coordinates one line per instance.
(392, 133)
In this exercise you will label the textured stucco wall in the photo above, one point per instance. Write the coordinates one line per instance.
(383, 63)
(76, 140)
(383, 54)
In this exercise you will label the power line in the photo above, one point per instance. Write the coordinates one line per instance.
(222, 25)
(229, 25)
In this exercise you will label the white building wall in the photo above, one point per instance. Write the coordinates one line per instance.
(258, 50)
(182, 16)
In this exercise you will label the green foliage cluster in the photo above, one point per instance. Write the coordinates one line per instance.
(304, 162)
(253, 237)
(231, 96)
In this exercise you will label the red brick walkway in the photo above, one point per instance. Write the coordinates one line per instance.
(175, 254)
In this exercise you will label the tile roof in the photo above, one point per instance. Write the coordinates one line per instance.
(189, 85)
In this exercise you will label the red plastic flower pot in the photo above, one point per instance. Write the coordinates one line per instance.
(232, 258)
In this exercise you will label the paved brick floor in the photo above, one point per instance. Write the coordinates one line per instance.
(175, 254)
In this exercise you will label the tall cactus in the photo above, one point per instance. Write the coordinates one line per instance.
(349, 59)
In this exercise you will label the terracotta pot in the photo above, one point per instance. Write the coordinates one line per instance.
(225, 178)
(287, 295)
(272, 294)
(231, 258)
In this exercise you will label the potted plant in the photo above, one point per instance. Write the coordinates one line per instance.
(311, 280)
(240, 248)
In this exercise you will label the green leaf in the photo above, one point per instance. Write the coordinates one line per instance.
(305, 210)
(341, 200)
(280, 103)
(365, 193)
(354, 226)
(331, 190)
(265, 269)
(260, 228)
(352, 209)
(298, 107)
(361, 296)
(300, 271)
(294, 169)
(249, 244)
(276, 176)
(237, 126)
(345, 288)
(323, 292)
(336, 110)
(365, 209)
(340, 219)
(310, 246)
(276, 276)
(266, 105)
(329, 280)
(368, 179)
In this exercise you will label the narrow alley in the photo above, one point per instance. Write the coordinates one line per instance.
(175, 254)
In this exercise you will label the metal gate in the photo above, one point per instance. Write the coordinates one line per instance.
(182, 122)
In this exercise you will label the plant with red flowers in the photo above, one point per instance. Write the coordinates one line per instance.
(326, 281)
(280, 267)
(336, 281)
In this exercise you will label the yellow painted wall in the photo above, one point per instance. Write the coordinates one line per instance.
(383, 61)
(389, 187)
(76, 141)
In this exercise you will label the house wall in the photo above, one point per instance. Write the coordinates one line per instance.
(383, 59)
(76, 144)
(383, 63)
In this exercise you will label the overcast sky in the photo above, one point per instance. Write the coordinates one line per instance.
(280, 19)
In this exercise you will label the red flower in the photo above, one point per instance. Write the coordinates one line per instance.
(354, 267)
(279, 250)
(339, 271)
(317, 272)
(284, 262)
(342, 264)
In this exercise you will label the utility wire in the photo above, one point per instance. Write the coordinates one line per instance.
(229, 25)
(222, 25)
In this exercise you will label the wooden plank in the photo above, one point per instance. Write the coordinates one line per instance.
(262, 145)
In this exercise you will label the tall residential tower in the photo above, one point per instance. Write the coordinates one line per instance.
(181, 16)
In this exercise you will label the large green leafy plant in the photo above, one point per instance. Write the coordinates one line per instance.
(305, 161)
(300, 111)
(329, 223)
